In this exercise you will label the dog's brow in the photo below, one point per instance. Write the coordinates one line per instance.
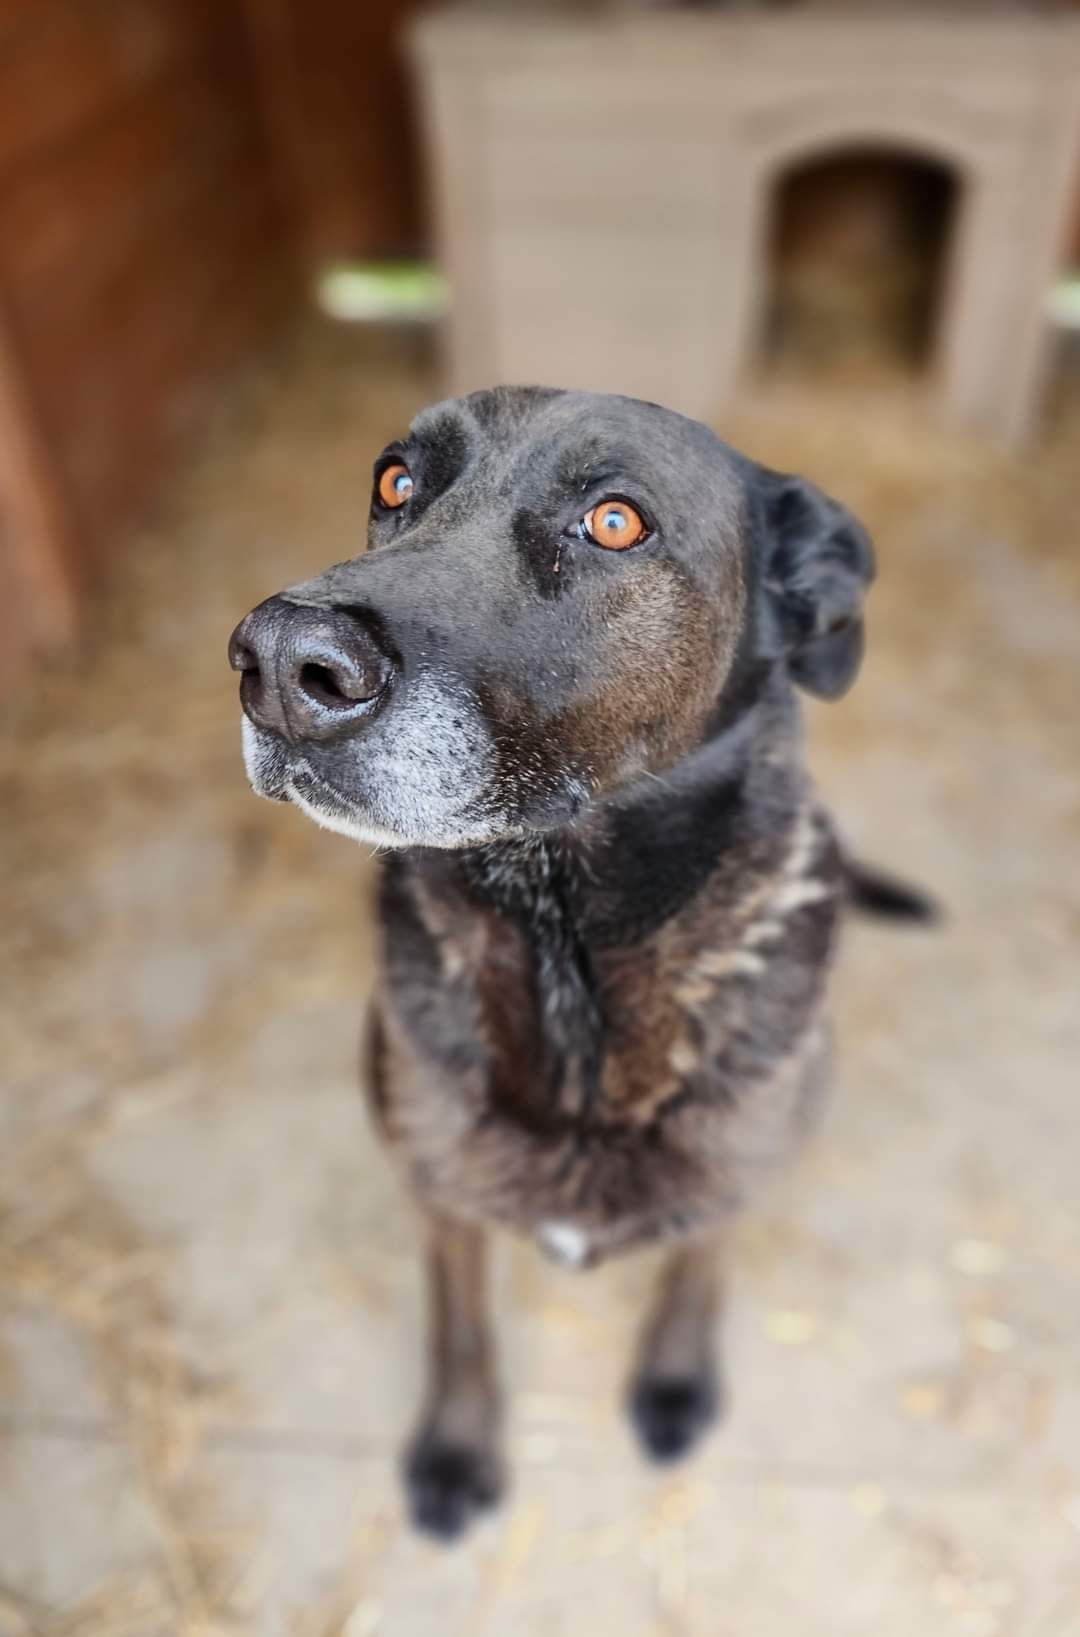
(397, 446)
(441, 450)
(584, 469)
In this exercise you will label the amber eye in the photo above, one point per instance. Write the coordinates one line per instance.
(615, 525)
(395, 484)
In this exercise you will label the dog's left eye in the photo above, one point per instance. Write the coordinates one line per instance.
(395, 485)
(613, 524)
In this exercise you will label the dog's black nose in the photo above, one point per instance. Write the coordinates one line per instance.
(307, 673)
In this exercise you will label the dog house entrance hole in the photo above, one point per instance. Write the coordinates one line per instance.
(857, 246)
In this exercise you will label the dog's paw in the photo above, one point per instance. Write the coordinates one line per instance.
(671, 1413)
(447, 1483)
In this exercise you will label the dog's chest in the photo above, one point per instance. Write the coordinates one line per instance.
(575, 1037)
(597, 1096)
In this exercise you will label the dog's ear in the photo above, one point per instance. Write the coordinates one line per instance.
(817, 563)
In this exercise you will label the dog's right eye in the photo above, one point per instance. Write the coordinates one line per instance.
(395, 485)
(614, 524)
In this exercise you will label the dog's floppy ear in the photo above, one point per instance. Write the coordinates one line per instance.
(817, 563)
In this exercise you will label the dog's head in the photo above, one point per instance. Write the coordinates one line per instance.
(561, 593)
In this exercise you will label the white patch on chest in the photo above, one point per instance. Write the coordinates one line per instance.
(564, 1243)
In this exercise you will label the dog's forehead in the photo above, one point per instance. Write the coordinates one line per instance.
(564, 434)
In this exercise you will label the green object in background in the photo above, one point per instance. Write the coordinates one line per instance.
(1065, 302)
(378, 292)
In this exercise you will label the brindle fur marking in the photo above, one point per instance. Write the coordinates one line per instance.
(613, 896)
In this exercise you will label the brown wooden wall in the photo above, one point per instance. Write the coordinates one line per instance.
(338, 92)
(142, 241)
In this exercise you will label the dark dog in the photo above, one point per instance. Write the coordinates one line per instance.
(559, 686)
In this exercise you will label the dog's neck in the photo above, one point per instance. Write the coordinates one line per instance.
(636, 858)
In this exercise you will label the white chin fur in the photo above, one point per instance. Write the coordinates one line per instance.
(344, 825)
(374, 835)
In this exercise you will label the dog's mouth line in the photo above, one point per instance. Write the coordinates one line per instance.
(302, 780)
(285, 775)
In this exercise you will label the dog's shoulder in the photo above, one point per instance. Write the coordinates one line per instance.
(703, 1010)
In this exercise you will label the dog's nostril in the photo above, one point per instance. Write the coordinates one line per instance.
(320, 684)
(252, 693)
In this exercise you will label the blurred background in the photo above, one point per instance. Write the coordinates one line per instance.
(241, 242)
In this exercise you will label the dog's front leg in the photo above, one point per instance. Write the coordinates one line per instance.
(452, 1467)
(675, 1392)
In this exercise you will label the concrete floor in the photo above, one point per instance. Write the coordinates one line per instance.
(209, 1343)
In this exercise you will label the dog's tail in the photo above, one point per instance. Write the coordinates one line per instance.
(872, 892)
